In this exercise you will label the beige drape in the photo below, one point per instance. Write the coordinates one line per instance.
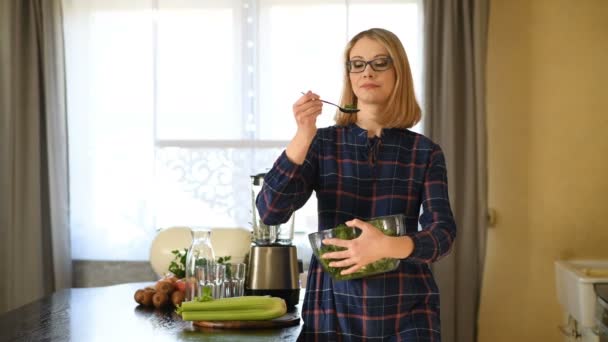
(34, 236)
(454, 106)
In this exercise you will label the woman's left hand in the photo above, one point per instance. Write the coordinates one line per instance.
(364, 250)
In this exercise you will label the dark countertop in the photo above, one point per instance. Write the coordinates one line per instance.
(110, 314)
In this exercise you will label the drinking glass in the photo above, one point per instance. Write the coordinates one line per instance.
(213, 276)
(235, 280)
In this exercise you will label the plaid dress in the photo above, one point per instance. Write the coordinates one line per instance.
(354, 176)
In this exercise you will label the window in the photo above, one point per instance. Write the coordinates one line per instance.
(172, 105)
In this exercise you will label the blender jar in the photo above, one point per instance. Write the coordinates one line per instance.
(285, 231)
(263, 234)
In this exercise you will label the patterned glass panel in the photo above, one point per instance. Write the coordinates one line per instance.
(208, 186)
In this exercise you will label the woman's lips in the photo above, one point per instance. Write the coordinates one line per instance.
(369, 85)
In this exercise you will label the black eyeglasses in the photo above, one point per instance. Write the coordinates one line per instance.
(378, 64)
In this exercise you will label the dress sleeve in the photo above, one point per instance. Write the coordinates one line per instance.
(438, 227)
(287, 186)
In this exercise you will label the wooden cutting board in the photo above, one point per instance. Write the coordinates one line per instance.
(287, 320)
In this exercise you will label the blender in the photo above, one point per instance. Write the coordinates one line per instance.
(273, 262)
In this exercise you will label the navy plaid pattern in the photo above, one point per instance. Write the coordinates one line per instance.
(357, 177)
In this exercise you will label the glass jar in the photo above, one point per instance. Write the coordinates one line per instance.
(200, 253)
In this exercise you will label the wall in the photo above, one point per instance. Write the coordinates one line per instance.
(5, 165)
(548, 158)
(93, 273)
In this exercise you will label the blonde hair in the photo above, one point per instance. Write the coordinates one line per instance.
(402, 109)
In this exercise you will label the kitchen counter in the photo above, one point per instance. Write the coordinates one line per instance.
(110, 314)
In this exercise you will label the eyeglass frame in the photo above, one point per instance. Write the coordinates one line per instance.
(348, 64)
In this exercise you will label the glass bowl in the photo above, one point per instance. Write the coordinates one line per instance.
(393, 225)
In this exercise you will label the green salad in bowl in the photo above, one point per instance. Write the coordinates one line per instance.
(393, 225)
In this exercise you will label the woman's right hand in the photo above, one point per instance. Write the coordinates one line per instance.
(305, 111)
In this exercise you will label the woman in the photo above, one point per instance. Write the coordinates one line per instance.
(368, 165)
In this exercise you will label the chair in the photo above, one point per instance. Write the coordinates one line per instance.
(233, 242)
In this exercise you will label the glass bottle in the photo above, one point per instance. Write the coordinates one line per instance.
(200, 254)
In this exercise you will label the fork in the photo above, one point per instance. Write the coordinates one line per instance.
(342, 109)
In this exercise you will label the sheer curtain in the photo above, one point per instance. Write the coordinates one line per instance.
(34, 235)
(455, 57)
(174, 104)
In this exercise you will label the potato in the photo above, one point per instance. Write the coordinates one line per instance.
(165, 287)
(177, 298)
(139, 296)
(160, 300)
(147, 299)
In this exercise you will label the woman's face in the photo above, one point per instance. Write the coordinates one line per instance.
(371, 86)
